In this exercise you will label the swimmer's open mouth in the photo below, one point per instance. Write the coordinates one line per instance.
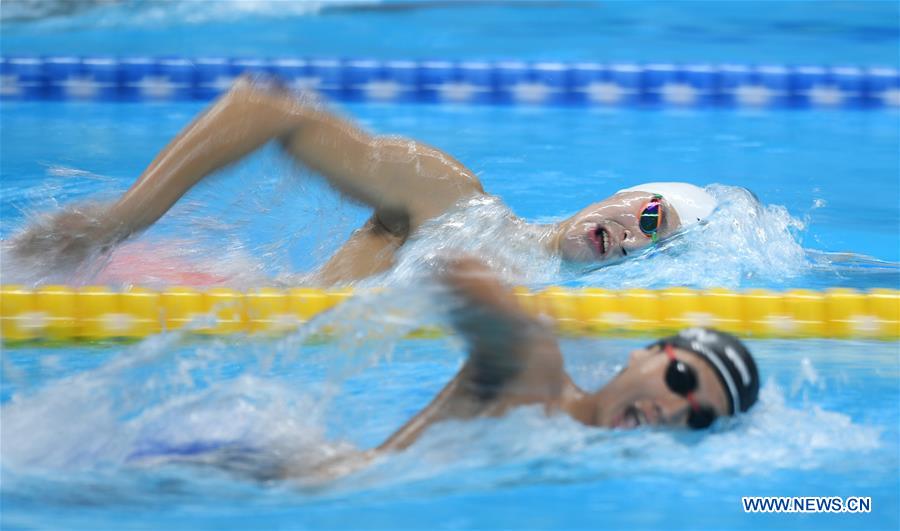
(600, 237)
(632, 417)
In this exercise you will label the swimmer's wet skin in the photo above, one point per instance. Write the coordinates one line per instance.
(405, 182)
(684, 381)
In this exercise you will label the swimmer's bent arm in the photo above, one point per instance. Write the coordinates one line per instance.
(399, 178)
(513, 359)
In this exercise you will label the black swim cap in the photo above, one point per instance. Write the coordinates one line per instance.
(728, 357)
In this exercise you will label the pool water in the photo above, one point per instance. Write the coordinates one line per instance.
(818, 226)
(91, 432)
(816, 431)
(833, 33)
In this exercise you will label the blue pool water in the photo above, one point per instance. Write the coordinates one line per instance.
(824, 189)
(832, 33)
(88, 413)
(81, 423)
(285, 398)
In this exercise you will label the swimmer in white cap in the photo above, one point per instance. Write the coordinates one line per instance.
(404, 181)
(631, 220)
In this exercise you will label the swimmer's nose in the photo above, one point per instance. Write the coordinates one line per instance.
(626, 235)
(672, 410)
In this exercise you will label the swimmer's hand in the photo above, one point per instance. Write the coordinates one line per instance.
(504, 340)
(513, 357)
(66, 239)
(473, 282)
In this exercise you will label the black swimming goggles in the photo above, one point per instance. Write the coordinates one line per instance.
(681, 379)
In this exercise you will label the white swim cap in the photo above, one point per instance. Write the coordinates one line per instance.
(692, 203)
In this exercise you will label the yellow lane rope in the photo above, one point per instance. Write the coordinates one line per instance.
(64, 313)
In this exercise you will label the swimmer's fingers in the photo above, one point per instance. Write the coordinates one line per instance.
(475, 284)
(66, 238)
(503, 338)
(485, 311)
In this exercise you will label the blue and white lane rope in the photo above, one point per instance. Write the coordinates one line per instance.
(478, 82)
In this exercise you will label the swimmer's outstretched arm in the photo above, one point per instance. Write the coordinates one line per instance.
(405, 181)
(513, 358)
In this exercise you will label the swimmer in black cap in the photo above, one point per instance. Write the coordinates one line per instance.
(405, 182)
(684, 381)
(687, 380)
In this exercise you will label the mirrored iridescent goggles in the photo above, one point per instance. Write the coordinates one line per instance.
(650, 217)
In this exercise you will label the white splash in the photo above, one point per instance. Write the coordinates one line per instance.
(482, 227)
(743, 243)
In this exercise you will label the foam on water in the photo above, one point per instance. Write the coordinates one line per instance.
(169, 393)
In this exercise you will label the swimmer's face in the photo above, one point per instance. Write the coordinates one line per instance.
(609, 230)
(639, 396)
